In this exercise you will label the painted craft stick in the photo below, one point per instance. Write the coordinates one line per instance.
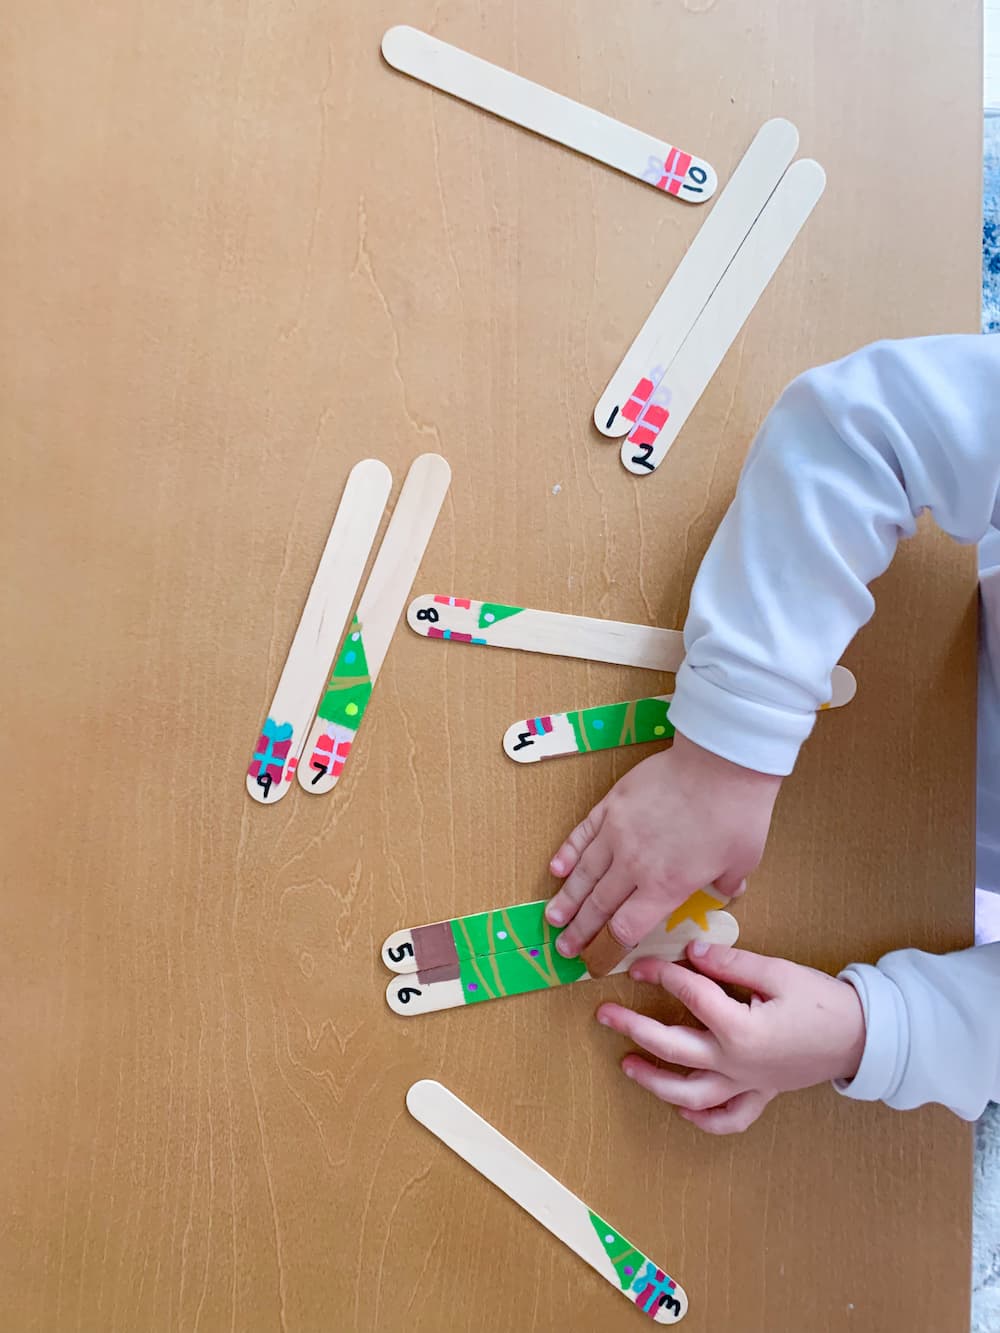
(728, 309)
(492, 624)
(549, 1202)
(696, 277)
(535, 108)
(334, 587)
(360, 659)
(600, 728)
(451, 945)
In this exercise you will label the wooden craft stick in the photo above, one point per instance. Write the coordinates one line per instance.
(334, 587)
(535, 108)
(728, 308)
(495, 625)
(696, 277)
(600, 728)
(360, 659)
(548, 1201)
(454, 943)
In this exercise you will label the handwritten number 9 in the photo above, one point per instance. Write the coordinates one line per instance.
(428, 613)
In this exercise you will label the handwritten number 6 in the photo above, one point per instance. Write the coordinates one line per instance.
(406, 994)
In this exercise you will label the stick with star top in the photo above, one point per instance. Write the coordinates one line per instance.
(360, 659)
(628, 1269)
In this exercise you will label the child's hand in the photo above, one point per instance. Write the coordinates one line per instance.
(801, 1027)
(681, 820)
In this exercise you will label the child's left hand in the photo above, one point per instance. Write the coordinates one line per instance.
(801, 1027)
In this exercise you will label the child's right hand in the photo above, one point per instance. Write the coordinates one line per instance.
(678, 821)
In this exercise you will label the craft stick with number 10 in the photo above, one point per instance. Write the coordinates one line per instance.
(697, 275)
(548, 1201)
(492, 624)
(360, 659)
(334, 586)
(684, 381)
(535, 108)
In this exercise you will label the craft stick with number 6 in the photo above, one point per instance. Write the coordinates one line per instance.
(494, 625)
(334, 587)
(728, 308)
(360, 659)
(559, 118)
(549, 1202)
(697, 275)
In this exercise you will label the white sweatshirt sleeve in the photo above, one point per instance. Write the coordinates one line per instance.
(933, 1030)
(846, 460)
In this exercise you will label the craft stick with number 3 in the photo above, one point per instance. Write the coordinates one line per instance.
(334, 587)
(655, 1294)
(559, 118)
(494, 625)
(360, 659)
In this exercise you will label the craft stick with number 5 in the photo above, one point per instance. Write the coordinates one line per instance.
(494, 625)
(360, 659)
(568, 1218)
(334, 587)
(697, 275)
(728, 308)
(559, 118)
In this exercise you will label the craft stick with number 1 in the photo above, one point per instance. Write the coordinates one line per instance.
(334, 587)
(360, 659)
(495, 625)
(549, 1202)
(535, 108)
(697, 275)
(728, 309)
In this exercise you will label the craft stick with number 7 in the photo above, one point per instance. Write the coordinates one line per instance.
(334, 587)
(549, 1202)
(682, 383)
(494, 625)
(360, 659)
(559, 118)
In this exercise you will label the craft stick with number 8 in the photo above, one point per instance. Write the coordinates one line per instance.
(494, 625)
(533, 107)
(544, 1198)
(360, 659)
(334, 586)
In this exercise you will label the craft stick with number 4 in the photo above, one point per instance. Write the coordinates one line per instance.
(727, 310)
(535, 108)
(334, 587)
(696, 277)
(583, 730)
(494, 625)
(549, 1202)
(454, 943)
(360, 659)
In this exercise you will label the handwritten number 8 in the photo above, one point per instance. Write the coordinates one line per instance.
(428, 613)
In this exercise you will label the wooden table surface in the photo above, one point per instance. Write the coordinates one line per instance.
(238, 254)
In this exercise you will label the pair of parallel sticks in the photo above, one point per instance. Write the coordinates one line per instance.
(720, 278)
(286, 734)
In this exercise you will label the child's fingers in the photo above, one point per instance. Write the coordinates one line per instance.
(565, 859)
(642, 911)
(608, 893)
(739, 967)
(738, 1114)
(700, 996)
(694, 1092)
(678, 1045)
(592, 866)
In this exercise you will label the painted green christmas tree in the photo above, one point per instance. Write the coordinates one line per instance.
(624, 1257)
(349, 687)
(621, 724)
(491, 612)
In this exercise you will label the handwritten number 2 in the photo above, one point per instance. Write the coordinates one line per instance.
(641, 459)
(402, 951)
(428, 613)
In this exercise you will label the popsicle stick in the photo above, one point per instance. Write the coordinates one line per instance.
(334, 587)
(535, 108)
(452, 944)
(360, 659)
(495, 625)
(697, 275)
(549, 1202)
(727, 310)
(600, 728)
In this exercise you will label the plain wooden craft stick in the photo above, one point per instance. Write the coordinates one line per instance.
(334, 587)
(496, 625)
(360, 659)
(725, 313)
(696, 276)
(535, 108)
(549, 1202)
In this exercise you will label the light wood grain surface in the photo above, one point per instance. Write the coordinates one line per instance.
(238, 254)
